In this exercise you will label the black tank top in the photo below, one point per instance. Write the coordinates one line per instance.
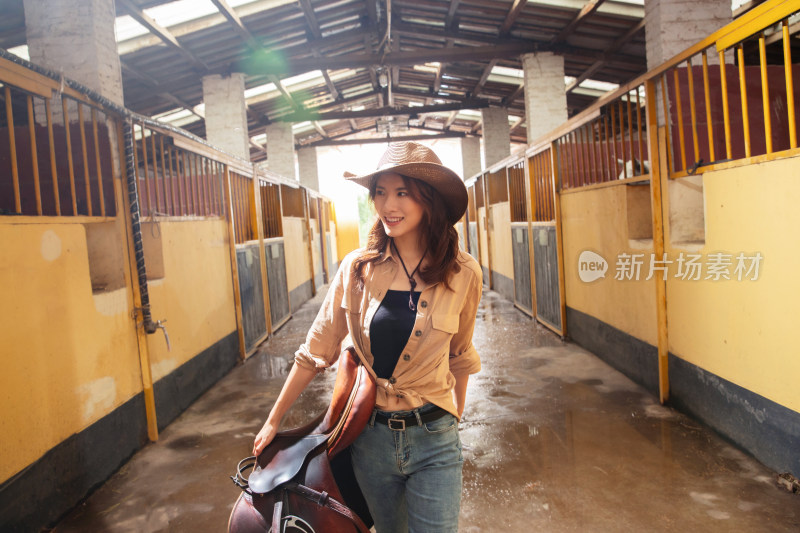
(390, 329)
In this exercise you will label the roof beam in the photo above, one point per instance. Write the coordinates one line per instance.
(451, 119)
(302, 116)
(161, 32)
(513, 96)
(320, 129)
(473, 53)
(588, 9)
(513, 13)
(607, 55)
(448, 23)
(485, 76)
(311, 18)
(374, 140)
(233, 18)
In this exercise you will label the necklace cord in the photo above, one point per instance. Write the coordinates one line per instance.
(411, 281)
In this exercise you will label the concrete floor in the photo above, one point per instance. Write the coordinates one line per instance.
(554, 440)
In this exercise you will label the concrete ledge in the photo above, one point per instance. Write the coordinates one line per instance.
(300, 294)
(47, 489)
(176, 391)
(765, 429)
(633, 357)
(503, 285)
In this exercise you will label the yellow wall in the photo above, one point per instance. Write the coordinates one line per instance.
(69, 357)
(296, 245)
(334, 244)
(195, 294)
(502, 254)
(596, 220)
(745, 331)
(346, 236)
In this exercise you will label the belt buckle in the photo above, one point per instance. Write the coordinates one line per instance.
(400, 424)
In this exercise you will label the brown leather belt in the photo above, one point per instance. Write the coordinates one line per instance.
(399, 423)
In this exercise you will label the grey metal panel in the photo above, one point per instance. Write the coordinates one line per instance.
(522, 267)
(252, 294)
(473, 240)
(545, 261)
(278, 288)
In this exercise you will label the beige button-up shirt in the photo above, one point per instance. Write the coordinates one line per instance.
(438, 349)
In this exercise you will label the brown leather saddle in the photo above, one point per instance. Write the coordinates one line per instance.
(301, 482)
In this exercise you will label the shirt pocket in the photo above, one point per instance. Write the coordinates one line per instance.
(446, 323)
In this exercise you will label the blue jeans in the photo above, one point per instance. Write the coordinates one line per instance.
(411, 478)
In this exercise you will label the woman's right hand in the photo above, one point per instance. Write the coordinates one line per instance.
(264, 437)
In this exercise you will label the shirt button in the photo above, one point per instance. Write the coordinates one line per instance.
(392, 380)
(406, 357)
(417, 333)
(423, 304)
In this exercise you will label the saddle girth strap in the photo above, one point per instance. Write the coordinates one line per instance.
(324, 499)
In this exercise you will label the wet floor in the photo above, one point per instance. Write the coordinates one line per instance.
(554, 440)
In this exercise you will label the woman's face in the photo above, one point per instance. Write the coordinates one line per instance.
(400, 213)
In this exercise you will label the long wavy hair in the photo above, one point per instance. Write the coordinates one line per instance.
(441, 247)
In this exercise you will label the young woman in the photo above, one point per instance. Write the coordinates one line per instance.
(408, 303)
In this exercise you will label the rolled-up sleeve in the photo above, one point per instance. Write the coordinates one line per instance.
(464, 358)
(321, 348)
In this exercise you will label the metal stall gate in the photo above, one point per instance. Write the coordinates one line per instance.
(277, 285)
(520, 245)
(548, 273)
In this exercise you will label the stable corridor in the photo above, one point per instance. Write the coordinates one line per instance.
(554, 440)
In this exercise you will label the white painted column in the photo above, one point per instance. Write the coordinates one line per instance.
(545, 93)
(307, 166)
(226, 113)
(496, 135)
(280, 149)
(77, 39)
(471, 156)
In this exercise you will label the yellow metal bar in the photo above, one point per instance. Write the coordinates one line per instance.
(307, 217)
(657, 148)
(51, 140)
(693, 110)
(559, 246)
(762, 53)
(681, 138)
(34, 156)
(237, 299)
(754, 21)
(614, 158)
(639, 128)
(745, 112)
(670, 162)
(630, 132)
(787, 68)
(173, 209)
(142, 344)
(707, 94)
(726, 114)
(70, 164)
(97, 162)
(155, 170)
(12, 141)
(82, 129)
(530, 200)
(622, 138)
(608, 164)
(146, 172)
(164, 175)
(596, 167)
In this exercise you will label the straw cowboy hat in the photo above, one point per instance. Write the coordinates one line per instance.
(416, 161)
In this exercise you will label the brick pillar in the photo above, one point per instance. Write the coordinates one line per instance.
(545, 93)
(280, 149)
(496, 135)
(671, 26)
(471, 156)
(226, 113)
(77, 39)
(307, 163)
